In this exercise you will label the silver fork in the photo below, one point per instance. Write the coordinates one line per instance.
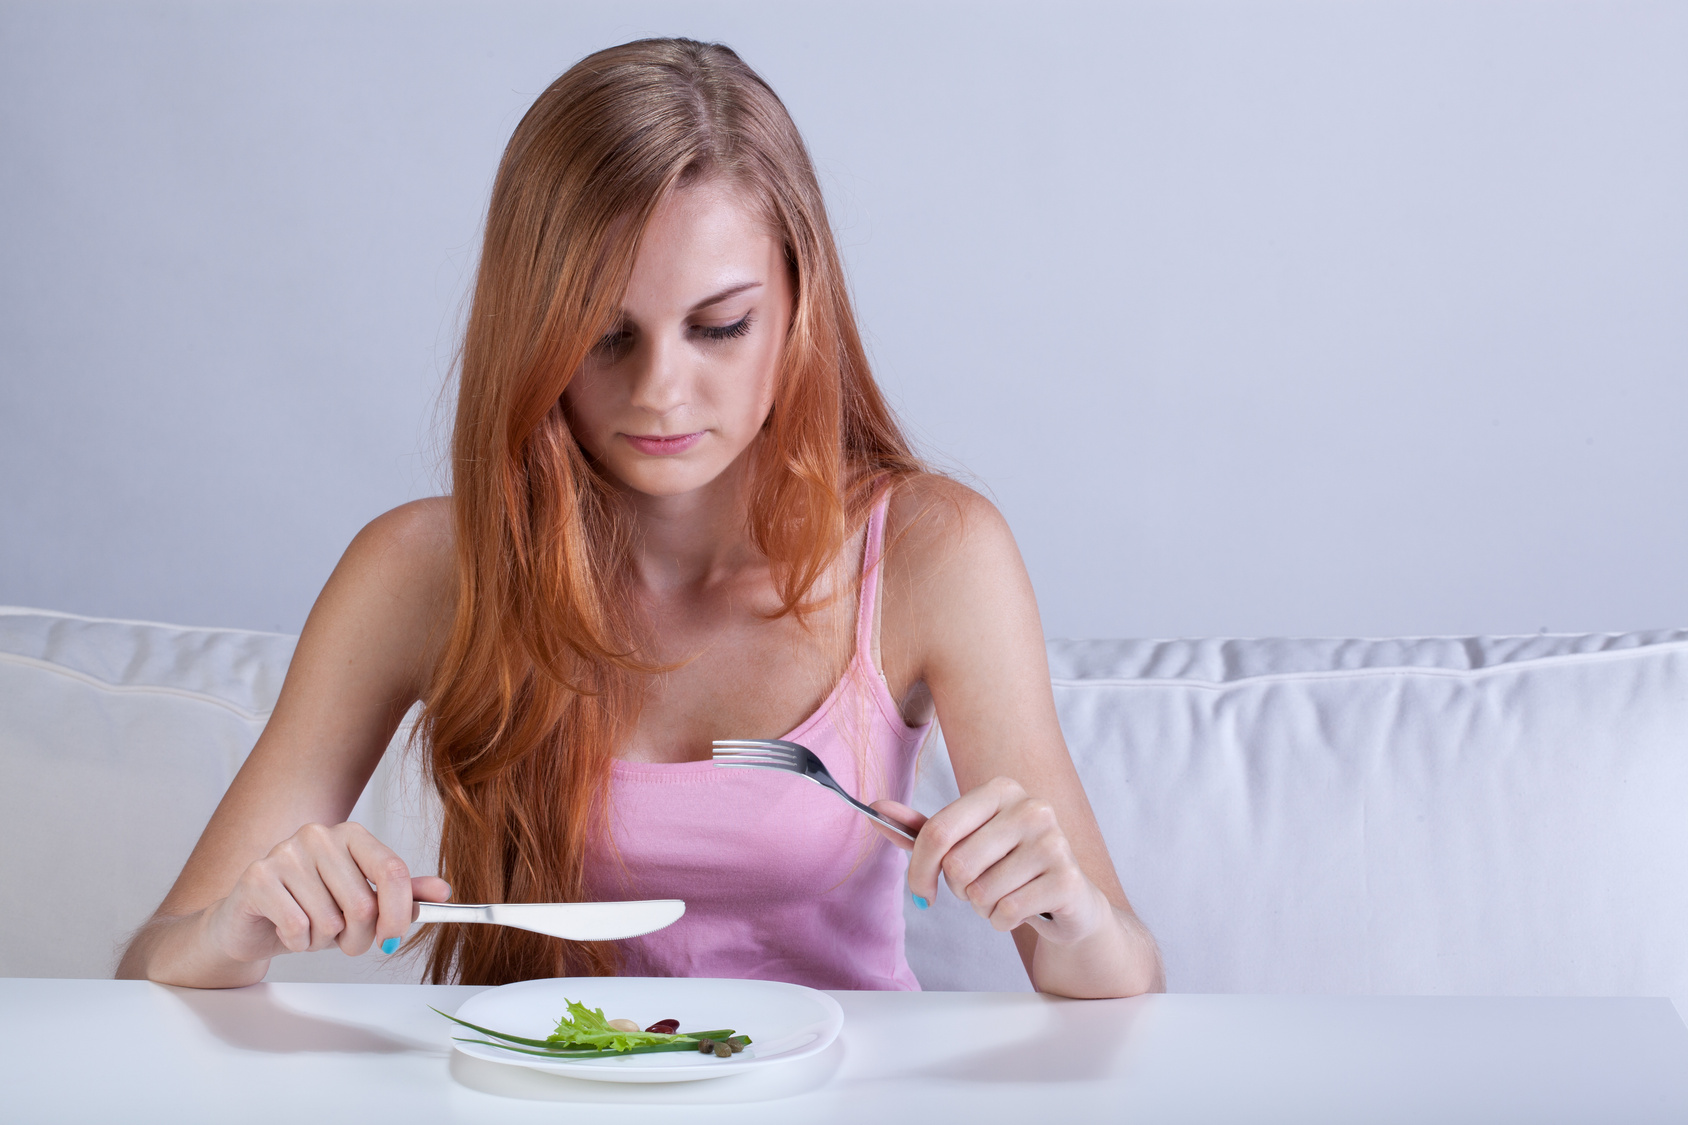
(791, 757)
(777, 754)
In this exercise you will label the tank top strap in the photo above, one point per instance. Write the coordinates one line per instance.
(868, 600)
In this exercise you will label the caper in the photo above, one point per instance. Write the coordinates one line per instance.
(723, 1051)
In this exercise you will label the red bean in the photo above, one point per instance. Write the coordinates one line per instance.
(664, 1027)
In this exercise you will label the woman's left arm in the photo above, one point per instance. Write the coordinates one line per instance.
(961, 619)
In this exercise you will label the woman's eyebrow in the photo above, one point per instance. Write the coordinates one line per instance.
(730, 291)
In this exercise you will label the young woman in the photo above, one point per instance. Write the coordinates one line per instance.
(681, 511)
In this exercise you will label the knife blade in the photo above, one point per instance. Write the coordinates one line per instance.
(577, 921)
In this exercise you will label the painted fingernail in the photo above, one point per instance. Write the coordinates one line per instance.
(390, 946)
(920, 903)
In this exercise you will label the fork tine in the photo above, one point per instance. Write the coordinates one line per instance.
(774, 750)
(757, 753)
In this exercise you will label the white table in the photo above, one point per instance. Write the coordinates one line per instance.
(375, 1053)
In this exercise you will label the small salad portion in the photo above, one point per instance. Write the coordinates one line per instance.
(585, 1034)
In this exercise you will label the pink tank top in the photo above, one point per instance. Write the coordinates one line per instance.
(781, 879)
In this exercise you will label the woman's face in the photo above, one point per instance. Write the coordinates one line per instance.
(681, 386)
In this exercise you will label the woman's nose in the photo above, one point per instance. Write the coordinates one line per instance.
(659, 377)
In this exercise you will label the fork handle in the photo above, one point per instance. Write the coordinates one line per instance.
(873, 814)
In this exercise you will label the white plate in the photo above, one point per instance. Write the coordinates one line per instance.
(785, 1022)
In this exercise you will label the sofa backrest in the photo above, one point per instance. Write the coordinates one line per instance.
(1418, 816)
(1489, 816)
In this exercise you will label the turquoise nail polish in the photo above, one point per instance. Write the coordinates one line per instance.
(920, 903)
(390, 946)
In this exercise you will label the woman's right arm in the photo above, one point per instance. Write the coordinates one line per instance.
(278, 869)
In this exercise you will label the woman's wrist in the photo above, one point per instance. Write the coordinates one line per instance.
(182, 950)
(1118, 957)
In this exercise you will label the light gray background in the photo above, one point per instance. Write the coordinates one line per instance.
(1255, 318)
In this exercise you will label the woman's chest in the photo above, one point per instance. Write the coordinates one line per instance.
(738, 839)
(781, 880)
(740, 678)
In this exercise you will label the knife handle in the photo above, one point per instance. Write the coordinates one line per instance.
(446, 912)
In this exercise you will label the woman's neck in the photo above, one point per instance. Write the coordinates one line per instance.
(697, 538)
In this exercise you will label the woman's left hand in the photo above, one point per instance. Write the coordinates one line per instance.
(1004, 852)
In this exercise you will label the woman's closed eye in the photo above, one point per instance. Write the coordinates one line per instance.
(616, 343)
(612, 343)
(731, 331)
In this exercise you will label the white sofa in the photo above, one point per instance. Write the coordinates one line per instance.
(1500, 815)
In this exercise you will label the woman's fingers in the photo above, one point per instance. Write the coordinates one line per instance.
(990, 870)
(429, 888)
(381, 866)
(261, 902)
(903, 815)
(296, 870)
(1030, 881)
(1005, 853)
(1027, 902)
(323, 885)
(947, 827)
(982, 848)
(344, 880)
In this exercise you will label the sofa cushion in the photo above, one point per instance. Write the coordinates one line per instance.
(117, 740)
(1467, 815)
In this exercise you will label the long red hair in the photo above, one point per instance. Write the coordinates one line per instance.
(541, 677)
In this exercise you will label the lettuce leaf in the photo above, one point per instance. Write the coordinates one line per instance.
(588, 1028)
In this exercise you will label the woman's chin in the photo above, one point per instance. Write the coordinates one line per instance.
(666, 478)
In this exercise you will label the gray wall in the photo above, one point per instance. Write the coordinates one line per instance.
(1255, 318)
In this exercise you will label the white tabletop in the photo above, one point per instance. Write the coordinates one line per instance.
(84, 1050)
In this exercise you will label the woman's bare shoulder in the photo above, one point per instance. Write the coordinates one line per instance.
(413, 540)
(405, 556)
(956, 590)
(390, 601)
(936, 523)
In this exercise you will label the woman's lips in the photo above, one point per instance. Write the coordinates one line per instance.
(654, 445)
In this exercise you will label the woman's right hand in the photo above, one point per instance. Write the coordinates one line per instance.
(314, 889)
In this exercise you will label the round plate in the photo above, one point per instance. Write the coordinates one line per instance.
(785, 1022)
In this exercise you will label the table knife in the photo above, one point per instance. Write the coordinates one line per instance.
(577, 921)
